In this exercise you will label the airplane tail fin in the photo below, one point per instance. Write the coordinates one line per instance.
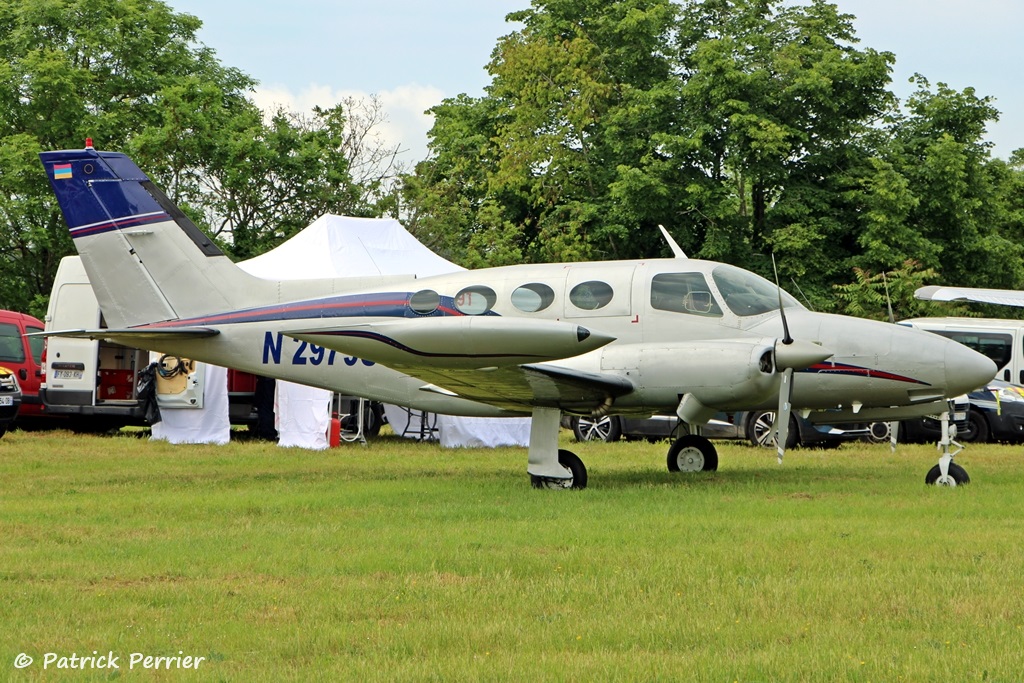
(146, 260)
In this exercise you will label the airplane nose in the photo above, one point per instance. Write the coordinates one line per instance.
(966, 369)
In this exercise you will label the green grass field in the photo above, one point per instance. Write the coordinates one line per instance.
(407, 562)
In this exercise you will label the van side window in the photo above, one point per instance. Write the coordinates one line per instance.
(11, 348)
(36, 344)
(998, 347)
(683, 293)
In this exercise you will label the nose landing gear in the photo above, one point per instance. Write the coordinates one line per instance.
(947, 472)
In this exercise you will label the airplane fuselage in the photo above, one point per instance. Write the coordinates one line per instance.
(679, 326)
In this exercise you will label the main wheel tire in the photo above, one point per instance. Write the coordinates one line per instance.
(571, 462)
(603, 428)
(977, 428)
(957, 476)
(692, 453)
(760, 425)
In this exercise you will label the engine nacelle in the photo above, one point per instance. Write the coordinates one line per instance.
(727, 374)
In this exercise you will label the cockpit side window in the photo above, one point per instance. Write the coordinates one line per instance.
(684, 293)
(749, 294)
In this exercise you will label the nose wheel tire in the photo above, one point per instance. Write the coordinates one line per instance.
(576, 468)
(957, 476)
(692, 453)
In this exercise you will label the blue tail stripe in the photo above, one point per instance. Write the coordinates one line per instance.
(102, 193)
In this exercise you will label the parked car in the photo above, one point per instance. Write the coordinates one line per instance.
(994, 412)
(754, 426)
(23, 356)
(10, 399)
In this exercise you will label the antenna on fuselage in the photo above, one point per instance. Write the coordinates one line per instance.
(888, 301)
(677, 251)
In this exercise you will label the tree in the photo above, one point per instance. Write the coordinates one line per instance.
(73, 69)
(554, 144)
(604, 120)
(131, 75)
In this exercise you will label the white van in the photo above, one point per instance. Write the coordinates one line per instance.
(95, 382)
(999, 339)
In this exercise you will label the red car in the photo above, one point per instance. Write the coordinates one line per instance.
(23, 357)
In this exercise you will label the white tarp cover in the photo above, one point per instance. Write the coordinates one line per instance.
(302, 416)
(209, 424)
(483, 432)
(343, 246)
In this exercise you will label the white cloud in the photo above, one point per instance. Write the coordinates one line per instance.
(407, 124)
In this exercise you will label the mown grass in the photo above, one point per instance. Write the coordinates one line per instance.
(406, 562)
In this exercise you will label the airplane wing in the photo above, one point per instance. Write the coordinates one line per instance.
(1004, 297)
(129, 336)
(522, 387)
(490, 359)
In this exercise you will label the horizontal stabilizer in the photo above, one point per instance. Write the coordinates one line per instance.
(134, 334)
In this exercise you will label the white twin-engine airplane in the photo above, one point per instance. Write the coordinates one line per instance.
(670, 336)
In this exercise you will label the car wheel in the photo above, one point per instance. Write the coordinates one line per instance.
(603, 428)
(977, 428)
(879, 432)
(759, 429)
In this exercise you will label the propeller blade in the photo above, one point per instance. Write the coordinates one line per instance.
(781, 426)
(787, 339)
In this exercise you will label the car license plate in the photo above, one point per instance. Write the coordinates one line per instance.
(6, 400)
(67, 374)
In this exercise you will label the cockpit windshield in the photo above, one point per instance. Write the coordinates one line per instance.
(748, 294)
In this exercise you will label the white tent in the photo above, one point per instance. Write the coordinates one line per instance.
(342, 246)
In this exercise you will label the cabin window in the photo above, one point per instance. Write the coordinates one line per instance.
(424, 301)
(475, 300)
(533, 297)
(591, 295)
(684, 293)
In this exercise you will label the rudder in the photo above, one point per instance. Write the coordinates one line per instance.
(146, 260)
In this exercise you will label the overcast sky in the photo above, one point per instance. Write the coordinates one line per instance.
(412, 53)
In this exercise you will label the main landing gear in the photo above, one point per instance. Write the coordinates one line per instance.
(551, 467)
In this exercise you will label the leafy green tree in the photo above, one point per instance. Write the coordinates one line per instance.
(131, 75)
(877, 295)
(538, 167)
(72, 69)
(604, 120)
